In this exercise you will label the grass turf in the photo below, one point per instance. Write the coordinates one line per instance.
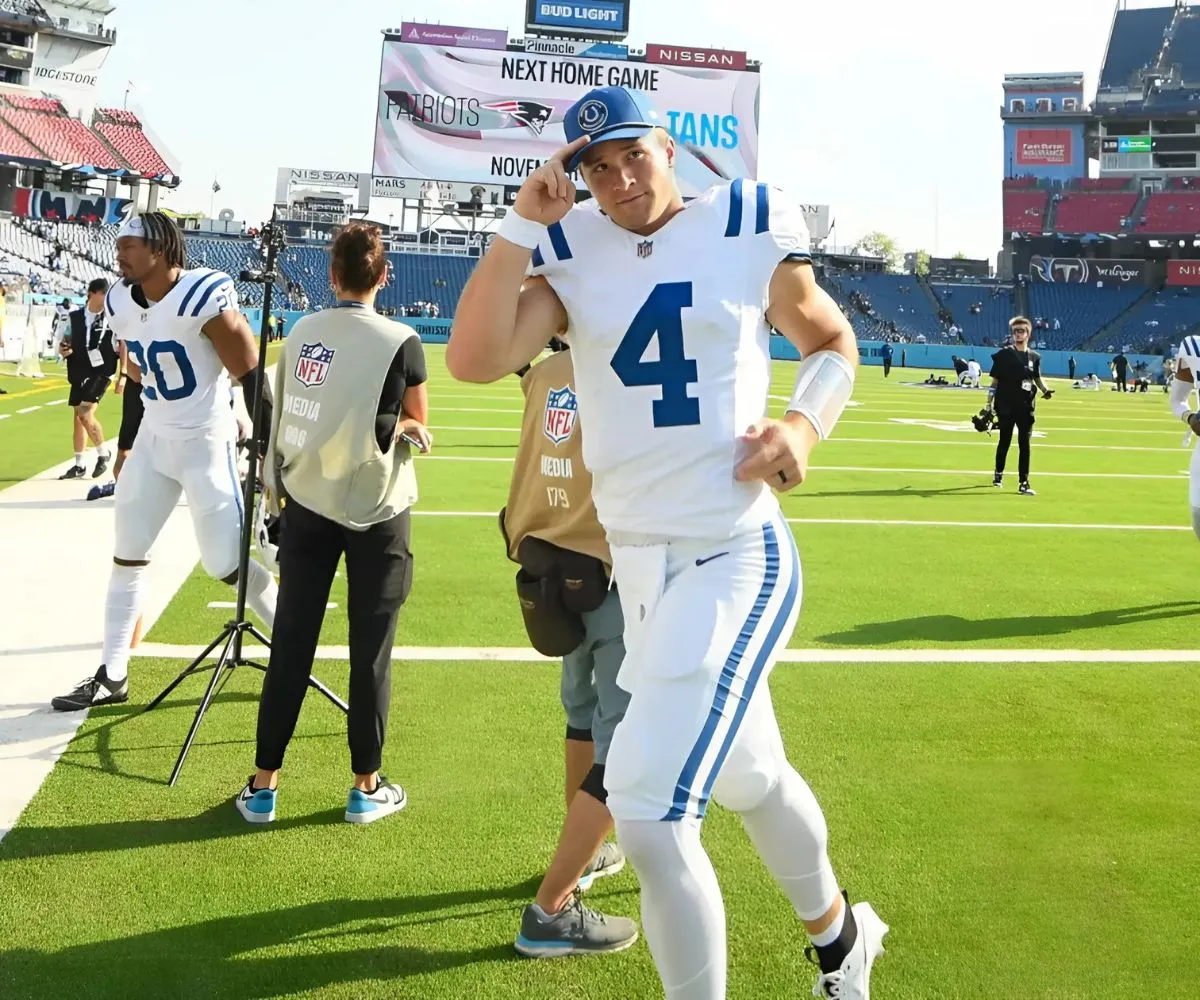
(1022, 828)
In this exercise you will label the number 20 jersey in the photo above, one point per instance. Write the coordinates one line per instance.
(185, 388)
(672, 354)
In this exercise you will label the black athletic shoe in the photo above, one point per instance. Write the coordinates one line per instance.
(93, 691)
(74, 472)
(1026, 490)
(101, 466)
(998, 479)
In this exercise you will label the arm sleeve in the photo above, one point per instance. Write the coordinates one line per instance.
(408, 368)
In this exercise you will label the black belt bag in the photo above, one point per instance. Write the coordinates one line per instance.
(556, 587)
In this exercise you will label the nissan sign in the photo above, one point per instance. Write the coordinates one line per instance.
(706, 58)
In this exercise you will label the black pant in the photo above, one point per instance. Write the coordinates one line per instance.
(887, 368)
(1121, 380)
(1023, 422)
(378, 578)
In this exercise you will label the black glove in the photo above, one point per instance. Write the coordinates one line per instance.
(1047, 394)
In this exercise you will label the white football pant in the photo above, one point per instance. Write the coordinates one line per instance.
(204, 470)
(704, 623)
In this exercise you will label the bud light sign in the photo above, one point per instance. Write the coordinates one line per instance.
(603, 17)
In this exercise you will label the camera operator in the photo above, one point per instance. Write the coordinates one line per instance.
(349, 406)
(551, 530)
(1016, 379)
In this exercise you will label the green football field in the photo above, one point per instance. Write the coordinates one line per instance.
(992, 721)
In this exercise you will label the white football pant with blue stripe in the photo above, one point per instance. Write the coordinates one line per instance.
(704, 624)
(203, 469)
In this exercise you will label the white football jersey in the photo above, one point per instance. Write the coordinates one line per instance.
(185, 387)
(672, 353)
(1188, 356)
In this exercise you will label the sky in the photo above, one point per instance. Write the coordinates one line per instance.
(889, 112)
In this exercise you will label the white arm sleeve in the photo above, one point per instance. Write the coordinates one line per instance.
(1181, 398)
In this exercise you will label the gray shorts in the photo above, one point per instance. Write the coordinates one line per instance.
(590, 694)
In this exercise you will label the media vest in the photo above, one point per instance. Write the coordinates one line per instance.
(551, 492)
(323, 452)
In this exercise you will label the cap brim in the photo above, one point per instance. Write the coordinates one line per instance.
(616, 132)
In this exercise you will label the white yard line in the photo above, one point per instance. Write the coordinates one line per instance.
(874, 522)
(520, 654)
(29, 409)
(881, 470)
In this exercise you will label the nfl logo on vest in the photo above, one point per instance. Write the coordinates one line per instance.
(561, 408)
(313, 364)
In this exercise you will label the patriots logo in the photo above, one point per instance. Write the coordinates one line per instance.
(312, 367)
(529, 113)
(561, 409)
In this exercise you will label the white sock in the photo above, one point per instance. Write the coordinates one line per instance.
(683, 914)
(102, 451)
(120, 618)
(789, 832)
(830, 934)
(79, 458)
(261, 593)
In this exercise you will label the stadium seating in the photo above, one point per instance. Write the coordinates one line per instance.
(1082, 310)
(1185, 48)
(231, 256)
(1093, 213)
(991, 323)
(1161, 321)
(898, 299)
(12, 143)
(308, 267)
(1136, 38)
(62, 139)
(123, 131)
(25, 254)
(1171, 212)
(425, 277)
(1024, 211)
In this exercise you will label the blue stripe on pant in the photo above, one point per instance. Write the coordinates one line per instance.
(690, 772)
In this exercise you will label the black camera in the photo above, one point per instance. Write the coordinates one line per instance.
(984, 420)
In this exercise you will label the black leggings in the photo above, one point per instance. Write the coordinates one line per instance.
(1024, 424)
(378, 578)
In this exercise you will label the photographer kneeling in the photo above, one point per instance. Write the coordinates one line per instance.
(349, 398)
(551, 529)
(1016, 378)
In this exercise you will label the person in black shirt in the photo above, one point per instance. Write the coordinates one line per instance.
(1016, 379)
(91, 357)
(1121, 371)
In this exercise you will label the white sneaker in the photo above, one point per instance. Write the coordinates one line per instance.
(853, 980)
(385, 800)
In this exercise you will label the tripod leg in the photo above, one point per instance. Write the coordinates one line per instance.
(191, 668)
(313, 682)
(221, 665)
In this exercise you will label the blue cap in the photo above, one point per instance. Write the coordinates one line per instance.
(608, 113)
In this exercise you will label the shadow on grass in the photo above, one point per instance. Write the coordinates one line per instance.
(953, 628)
(215, 958)
(902, 491)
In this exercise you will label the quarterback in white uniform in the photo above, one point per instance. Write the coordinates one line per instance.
(668, 308)
(184, 336)
(1187, 364)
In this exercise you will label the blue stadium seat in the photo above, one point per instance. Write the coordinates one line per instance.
(1136, 38)
(899, 299)
(1082, 310)
(1185, 49)
(991, 323)
(231, 256)
(1160, 321)
(426, 277)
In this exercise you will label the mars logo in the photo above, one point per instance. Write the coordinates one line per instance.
(529, 113)
(312, 368)
(561, 408)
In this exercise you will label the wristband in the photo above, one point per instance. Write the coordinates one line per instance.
(521, 231)
(824, 382)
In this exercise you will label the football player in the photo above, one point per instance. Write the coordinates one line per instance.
(1187, 363)
(668, 309)
(185, 337)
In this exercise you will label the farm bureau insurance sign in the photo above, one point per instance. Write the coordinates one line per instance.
(490, 117)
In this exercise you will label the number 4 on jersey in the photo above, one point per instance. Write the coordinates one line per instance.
(661, 315)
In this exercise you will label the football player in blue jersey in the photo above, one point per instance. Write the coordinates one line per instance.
(668, 308)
